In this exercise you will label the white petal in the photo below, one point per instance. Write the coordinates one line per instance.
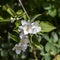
(13, 48)
(19, 44)
(31, 31)
(38, 29)
(26, 32)
(34, 24)
(18, 51)
(24, 47)
(23, 22)
(21, 35)
(20, 28)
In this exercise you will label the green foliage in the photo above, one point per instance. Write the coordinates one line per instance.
(46, 42)
(47, 27)
(37, 43)
(9, 10)
(51, 10)
(13, 37)
(51, 49)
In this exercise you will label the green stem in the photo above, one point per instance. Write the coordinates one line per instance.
(34, 48)
(24, 9)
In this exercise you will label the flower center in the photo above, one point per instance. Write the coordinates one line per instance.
(23, 41)
(27, 28)
(18, 47)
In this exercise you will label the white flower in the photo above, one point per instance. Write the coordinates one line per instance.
(22, 46)
(28, 27)
(20, 28)
(35, 28)
(24, 43)
(25, 28)
(18, 48)
(22, 36)
(23, 22)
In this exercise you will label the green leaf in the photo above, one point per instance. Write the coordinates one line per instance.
(11, 12)
(24, 16)
(16, 30)
(47, 6)
(39, 46)
(4, 53)
(59, 41)
(55, 37)
(19, 12)
(35, 17)
(47, 47)
(13, 37)
(37, 43)
(45, 36)
(1, 18)
(52, 12)
(4, 20)
(46, 26)
(51, 49)
(47, 57)
(17, 23)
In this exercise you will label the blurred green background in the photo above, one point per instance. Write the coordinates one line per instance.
(50, 39)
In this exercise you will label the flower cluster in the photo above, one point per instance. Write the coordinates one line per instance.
(22, 45)
(26, 28)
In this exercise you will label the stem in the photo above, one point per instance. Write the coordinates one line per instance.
(34, 48)
(34, 51)
(24, 9)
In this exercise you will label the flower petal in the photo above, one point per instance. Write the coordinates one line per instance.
(24, 47)
(23, 22)
(18, 51)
